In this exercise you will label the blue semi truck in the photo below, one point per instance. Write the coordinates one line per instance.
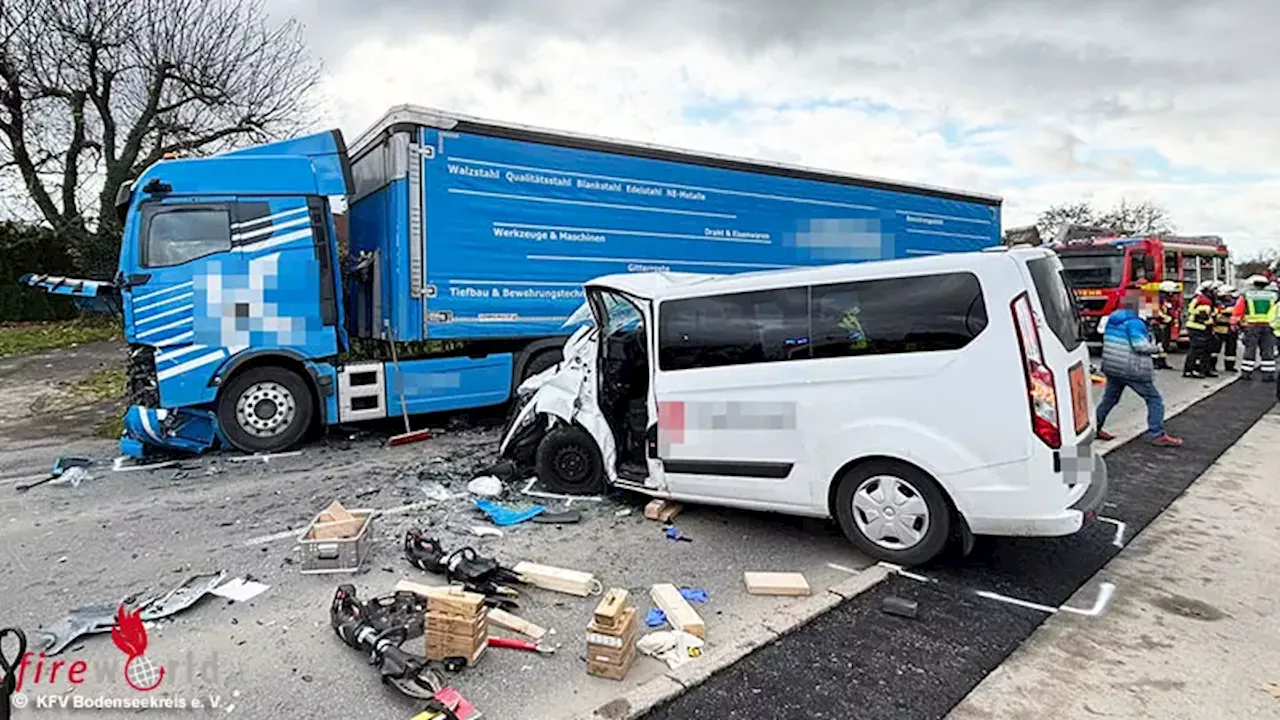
(247, 279)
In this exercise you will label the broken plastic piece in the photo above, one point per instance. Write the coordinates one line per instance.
(183, 596)
(903, 607)
(435, 491)
(486, 486)
(87, 620)
(482, 531)
(240, 590)
(504, 516)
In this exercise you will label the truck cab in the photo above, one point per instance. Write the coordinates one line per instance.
(231, 291)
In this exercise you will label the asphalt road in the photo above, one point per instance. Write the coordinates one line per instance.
(858, 662)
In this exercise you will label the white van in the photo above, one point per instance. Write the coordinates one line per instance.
(916, 401)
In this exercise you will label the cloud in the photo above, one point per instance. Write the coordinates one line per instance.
(1038, 102)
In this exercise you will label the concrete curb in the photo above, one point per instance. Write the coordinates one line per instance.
(663, 688)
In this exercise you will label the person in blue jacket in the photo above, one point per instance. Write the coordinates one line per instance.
(1127, 352)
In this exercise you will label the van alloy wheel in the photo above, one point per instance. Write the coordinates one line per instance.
(890, 512)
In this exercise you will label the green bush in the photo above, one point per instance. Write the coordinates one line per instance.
(28, 248)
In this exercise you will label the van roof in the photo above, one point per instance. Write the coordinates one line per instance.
(656, 285)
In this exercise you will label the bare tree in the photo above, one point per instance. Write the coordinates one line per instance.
(93, 91)
(1126, 218)
(1142, 218)
(1056, 217)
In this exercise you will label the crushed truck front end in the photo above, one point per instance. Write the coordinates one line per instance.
(231, 296)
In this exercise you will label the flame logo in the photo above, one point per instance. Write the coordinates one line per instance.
(130, 636)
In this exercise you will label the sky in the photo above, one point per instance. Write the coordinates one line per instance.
(1038, 102)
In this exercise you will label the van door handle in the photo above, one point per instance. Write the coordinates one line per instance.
(139, 279)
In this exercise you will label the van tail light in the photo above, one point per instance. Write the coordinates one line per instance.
(1042, 395)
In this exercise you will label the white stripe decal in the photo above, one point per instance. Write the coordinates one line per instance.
(157, 293)
(146, 425)
(704, 263)
(190, 365)
(162, 328)
(274, 241)
(157, 316)
(267, 218)
(586, 203)
(269, 229)
(967, 236)
(175, 340)
(176, 298)
(175, 354)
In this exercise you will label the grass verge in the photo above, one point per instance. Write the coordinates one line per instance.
(23, 338)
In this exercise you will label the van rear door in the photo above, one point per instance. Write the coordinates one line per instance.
(1065, 352)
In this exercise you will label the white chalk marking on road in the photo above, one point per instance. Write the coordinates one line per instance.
(904, 573)
(264, 458)
(23, 478)
(376, 513)
(843, 568)
(1119, 539)
(1105, 591)
(1015, 601)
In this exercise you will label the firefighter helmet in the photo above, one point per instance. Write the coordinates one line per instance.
(1168, 286)
(1258, 280)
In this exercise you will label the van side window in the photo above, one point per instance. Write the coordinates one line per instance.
(175, 235)
(926, 313)
(738, 329)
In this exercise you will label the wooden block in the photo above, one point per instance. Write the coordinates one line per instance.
(679, 612)
(454, 625)
(336, 530)
(507, 621)
(775, 583)
(437, 653)
(662, 510)
(456, 601)
(611, 607)
(426, 591)
(572, 582)
(625, 625)
(610, 667)
(336, 512)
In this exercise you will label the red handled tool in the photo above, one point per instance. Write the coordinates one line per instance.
(513, 644)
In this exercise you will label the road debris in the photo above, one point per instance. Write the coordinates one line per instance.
(240, 589)
(568, 500)
(674, 647)
(568, 517)
(482, 531)
(894, 605)
(504, 516)
(486, 486)
(775, 583)
(435, 491)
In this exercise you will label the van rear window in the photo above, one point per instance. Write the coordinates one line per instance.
(1057, 300)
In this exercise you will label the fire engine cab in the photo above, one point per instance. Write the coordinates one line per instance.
(1100, 264)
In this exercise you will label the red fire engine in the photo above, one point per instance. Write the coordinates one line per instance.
(1099, 264)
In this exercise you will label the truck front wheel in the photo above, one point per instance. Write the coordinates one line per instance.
(265, 409)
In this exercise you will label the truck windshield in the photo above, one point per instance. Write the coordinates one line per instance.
(1094, 270)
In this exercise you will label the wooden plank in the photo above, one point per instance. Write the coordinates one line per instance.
(507, 621)
(611, 606)
(572, 582)
(775, 583)
(661, 510)
(426, 591)
(624, 626)
(336, 530)
(336, 512)
(456, 602)
(679, 612)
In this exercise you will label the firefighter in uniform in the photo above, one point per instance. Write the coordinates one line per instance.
(1226, 327)
(1255, 311)
(1162, 324)
(1199, 322)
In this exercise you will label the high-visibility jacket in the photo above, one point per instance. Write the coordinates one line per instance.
(1222, 321)
(1164, 312)
(1200, 313)
(1257, 307)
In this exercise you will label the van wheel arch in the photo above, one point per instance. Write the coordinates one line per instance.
(957, 526)
(284, 368)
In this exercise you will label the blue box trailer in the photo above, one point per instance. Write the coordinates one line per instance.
(466, 244)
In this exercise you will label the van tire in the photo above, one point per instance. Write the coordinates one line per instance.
(286, 396)
(569, 462)
(908, 481)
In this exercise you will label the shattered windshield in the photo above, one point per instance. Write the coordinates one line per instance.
(622, 315)
(581, 316)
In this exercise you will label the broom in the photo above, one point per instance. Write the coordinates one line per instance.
(409, 435)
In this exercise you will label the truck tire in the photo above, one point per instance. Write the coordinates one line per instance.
(265, 409)
(569, 462)
(538, 363)
(893, 512)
